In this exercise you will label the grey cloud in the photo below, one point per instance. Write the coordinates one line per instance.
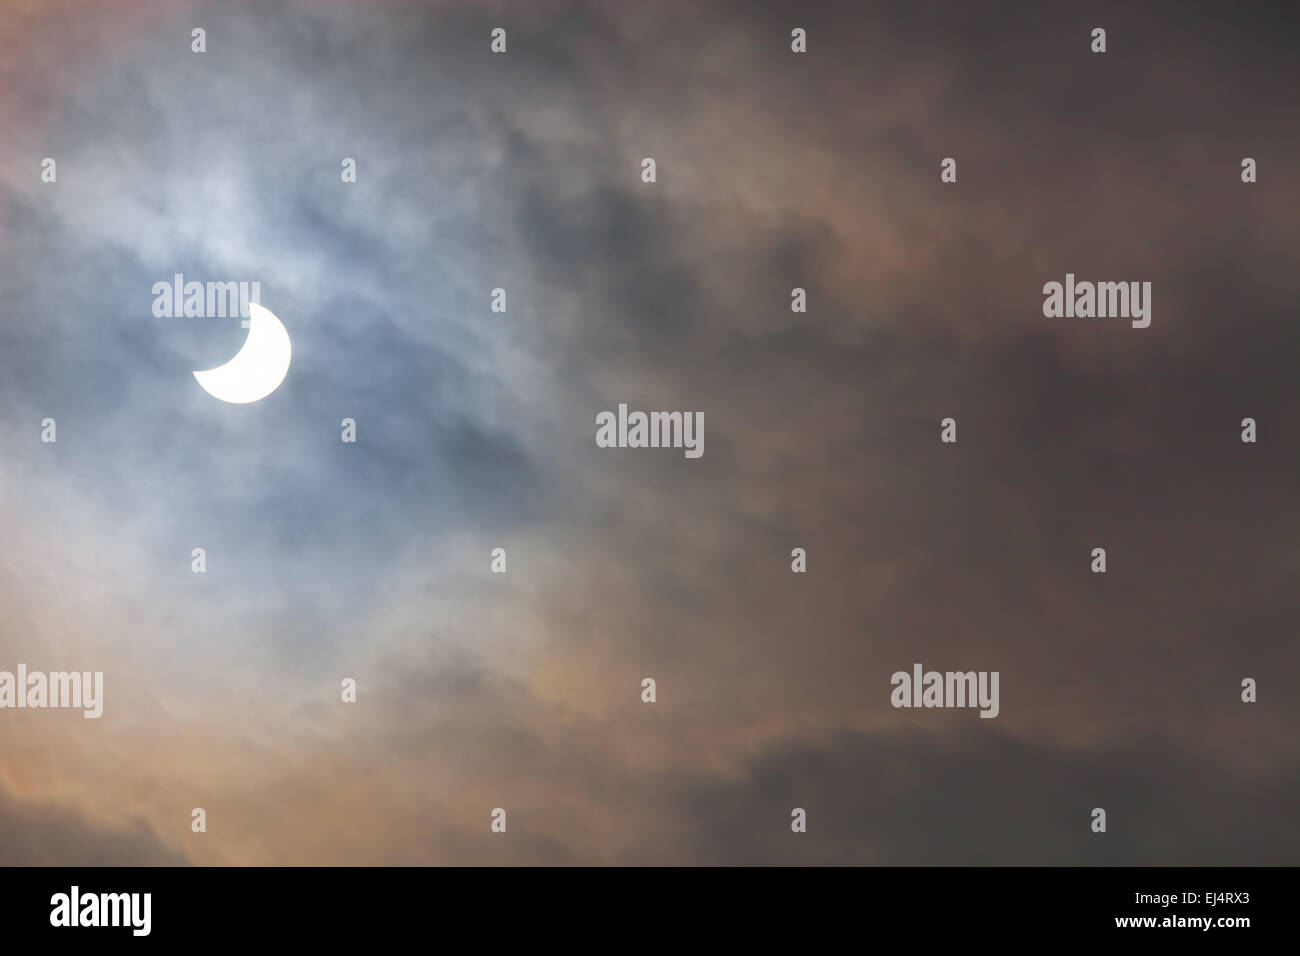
(37, 835)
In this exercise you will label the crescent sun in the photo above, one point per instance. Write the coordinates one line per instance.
(258, 367)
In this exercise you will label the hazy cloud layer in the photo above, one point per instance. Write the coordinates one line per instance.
(475, 431)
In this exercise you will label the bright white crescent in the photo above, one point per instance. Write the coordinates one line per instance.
(258, 368)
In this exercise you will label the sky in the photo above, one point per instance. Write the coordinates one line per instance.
(476, 430)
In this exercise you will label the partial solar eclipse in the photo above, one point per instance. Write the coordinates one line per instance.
(258, 368)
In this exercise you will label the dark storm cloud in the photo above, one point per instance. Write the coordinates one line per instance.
(965, 799)
(1073, 436)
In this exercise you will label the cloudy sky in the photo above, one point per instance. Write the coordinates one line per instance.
(475, 430)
